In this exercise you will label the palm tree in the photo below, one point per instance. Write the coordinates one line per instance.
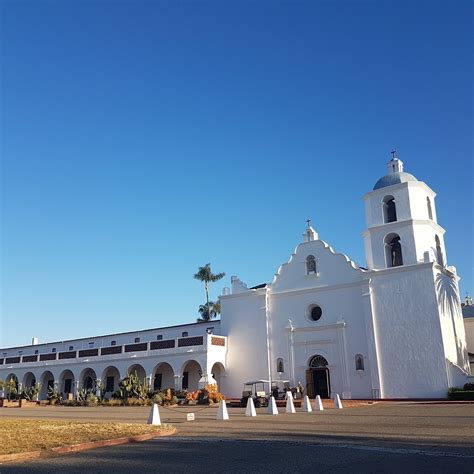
(206, 314)
(205, 275)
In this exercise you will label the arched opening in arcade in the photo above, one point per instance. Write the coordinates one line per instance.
(11, 385)
(88, 379)
(318, 381)
(47, 384)
(218, 371)
(191, 374)
(111, 380)
(66, 384)
(163, 376)
(29, 380)
(139, 371)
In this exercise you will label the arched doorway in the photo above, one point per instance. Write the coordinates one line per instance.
(218, 372)
(66, 383)
(47, 384)
(318, 381)
(163, 376)
(89, 379)
(111, 380)
(191, 374)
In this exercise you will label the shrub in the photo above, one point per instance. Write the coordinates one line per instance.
(455, 393)
(54, 397)
(138, 402)
(30, 393)
(208, 395)
(132, 387)
(10, 386)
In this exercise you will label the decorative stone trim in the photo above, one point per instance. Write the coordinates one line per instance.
(217, 341)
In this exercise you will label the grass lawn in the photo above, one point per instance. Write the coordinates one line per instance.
(23, 435)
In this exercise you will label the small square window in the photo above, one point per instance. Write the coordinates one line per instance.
(113, 343)
(91, 343)
(20, 352)
(184, 334)
(71, 348)
(36, 351)
(137, 339)
(159, 337)
(53, 349)
(210, 330)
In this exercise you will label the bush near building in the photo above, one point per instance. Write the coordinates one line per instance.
(465, 393)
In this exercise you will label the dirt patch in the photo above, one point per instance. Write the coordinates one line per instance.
(19, 436)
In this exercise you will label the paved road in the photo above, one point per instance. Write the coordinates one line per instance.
(381, 438)
(181, 455)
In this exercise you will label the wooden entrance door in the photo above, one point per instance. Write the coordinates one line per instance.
(321, 382)
(318, 383)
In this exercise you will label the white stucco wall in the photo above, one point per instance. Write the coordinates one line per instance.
(340, 333)
(412, 356)
(243, 322)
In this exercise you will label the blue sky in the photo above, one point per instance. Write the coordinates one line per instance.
(143, 139)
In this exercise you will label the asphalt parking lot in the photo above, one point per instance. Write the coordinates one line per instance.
(379, 438)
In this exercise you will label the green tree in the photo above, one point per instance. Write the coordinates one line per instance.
(205, 275)
(209, 312)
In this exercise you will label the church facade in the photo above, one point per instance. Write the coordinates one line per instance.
(391, 330)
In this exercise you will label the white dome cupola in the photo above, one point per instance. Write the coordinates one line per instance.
(395, 174)
(401, 221)
(395, 165)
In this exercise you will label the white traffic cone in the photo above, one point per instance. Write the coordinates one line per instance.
(154, 418)
(250, 410)
(290, 406)
(337, 402)
(307, 405)
(318, 403)
(222, 412)
(272, 407)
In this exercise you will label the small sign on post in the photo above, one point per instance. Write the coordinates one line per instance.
(190, 417)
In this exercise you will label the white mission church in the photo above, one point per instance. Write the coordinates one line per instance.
(391, 330)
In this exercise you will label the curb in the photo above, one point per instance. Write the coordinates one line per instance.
(73, 448)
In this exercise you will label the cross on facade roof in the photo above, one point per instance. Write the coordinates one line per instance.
(308, 221)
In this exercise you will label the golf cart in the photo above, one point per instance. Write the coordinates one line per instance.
(279, 388)
(259, 391)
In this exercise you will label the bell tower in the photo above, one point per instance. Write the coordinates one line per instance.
(402, 228)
